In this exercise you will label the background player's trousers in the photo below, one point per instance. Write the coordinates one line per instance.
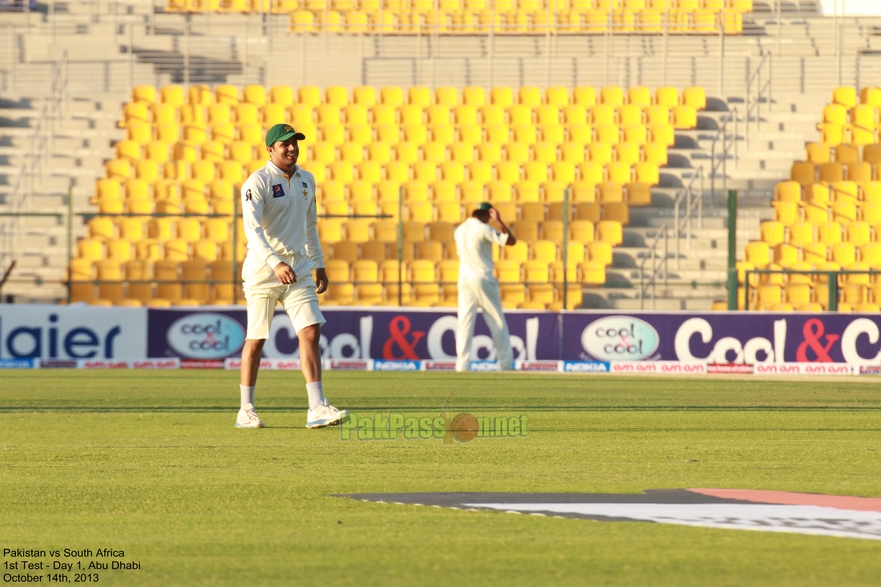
(482, 292)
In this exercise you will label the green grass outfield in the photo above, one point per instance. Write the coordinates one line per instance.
(150, 463)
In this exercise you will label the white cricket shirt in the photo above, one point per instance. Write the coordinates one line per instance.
(280, 218)
(474, 242)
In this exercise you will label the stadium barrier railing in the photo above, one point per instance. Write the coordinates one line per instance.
(835, 280)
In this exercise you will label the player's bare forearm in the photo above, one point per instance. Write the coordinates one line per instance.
(504, 227)
(321, 279)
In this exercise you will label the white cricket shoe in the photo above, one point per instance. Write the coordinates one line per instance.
(248, 418)
(325, 415)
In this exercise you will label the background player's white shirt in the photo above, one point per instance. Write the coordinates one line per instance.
(280, 219)
(474, 242)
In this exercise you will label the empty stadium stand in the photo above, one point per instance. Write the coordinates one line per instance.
(186, 153)
(827, 217)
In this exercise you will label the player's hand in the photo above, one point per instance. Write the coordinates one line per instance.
(285, 274)
(493, 214)
(321, 278)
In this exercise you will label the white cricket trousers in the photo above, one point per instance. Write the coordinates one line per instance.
(482, 291)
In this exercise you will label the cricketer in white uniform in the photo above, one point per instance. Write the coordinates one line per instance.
(478, 287)
(280, 218)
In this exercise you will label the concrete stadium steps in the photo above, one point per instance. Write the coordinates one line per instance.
(76, 157)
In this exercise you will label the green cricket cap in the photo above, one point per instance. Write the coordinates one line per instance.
(485, 207)
(282, 132)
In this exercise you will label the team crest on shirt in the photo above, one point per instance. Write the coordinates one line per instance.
(305, 190)
(277, 191)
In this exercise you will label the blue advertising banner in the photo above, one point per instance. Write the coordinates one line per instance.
(722, 337)
(408, 334)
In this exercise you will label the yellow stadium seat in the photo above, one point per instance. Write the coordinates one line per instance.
(845, 96)
(663, 134)
(767, 296)
(800, 233)
(508, 271)
(414, 231)
(694, 96)
(835, 114)
(602, 114)
(617, 211)
(830, 233)
(429, 250)
(574, 153)
(618, 172)
(612, 96)
(666, 96)
(627, 153)
(844, 211)
(444, 191)
(859, 172)
(140, 132)
(684, 117)
(600, 153)
(636, 134)
(798, 294)
(845, 153)
(609, 231)
(758, 253)
(593, 272)
(803, 172)
(580, 133)
(443, 134)
(772, 232)
(532, 211)
(787, 213)
(536, 171)
(585, 190)
(536, 271)
(574, 114)
(843, 253)
(563, 172)
(526, 230)
(818, 152)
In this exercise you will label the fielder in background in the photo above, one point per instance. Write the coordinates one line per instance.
(280, 217)
(478, 287)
